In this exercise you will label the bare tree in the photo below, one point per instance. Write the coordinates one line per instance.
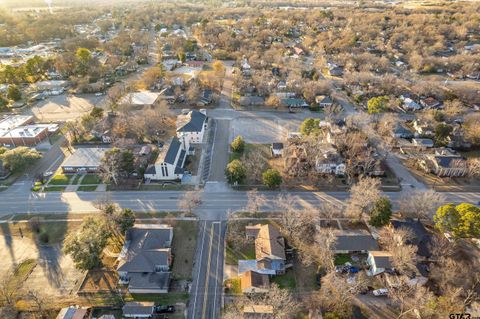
(473, 166)
(412, 301)
(403, 255)
(363, 196)
(255, 201)
(421, 204)
(336, 294)
(190, 201)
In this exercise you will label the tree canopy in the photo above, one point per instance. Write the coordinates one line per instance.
(236, 172)
(377, 104)
(462, 220)
(271, 178)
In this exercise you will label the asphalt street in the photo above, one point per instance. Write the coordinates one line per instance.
(206, 291)
(12, 202)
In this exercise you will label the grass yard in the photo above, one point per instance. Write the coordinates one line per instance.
(234, 286)
(183, 248)
(341, 259)
(60, 179)
(286, 281)
(43, 231)
(88, 188)
(233, 254)
(161, 299)
(54, 188)
(90, 179)
(76, 179)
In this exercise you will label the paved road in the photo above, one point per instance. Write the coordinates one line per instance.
(206, 291)
(214, 207)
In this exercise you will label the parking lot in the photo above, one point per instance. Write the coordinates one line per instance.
(65, 107)
(263, 130)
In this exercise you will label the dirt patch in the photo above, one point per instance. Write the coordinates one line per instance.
(99, 280)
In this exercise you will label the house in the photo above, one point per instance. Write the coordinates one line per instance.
(423, 128)
(74, 312)
(323, 101)
(445, 162)
(420, 237)
(50, 85)
(251, 101)
(293, 102)
(254, 282)
(379, 261)
(206, 97)
(269, 251)
(422, 143)
(170, 162)
(136, 309)
(139, 99)
(335, 71)
(258, 312)
(330, 161)
(168, 94)
(431, 103)
(84, 160)
(354, 241)
(399, 131)
(145, 259)
(277, 149)
(192, 126)
(410, 105)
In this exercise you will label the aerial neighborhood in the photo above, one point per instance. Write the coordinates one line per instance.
(239, 159)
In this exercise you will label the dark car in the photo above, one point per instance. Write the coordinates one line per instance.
(164, 309)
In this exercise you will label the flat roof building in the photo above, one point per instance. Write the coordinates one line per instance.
(84, 160)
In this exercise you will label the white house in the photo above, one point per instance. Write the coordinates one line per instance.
(330, 162)
(379, 261)
(192, 126)
(323, 100)
(137, 309)
(170, 161)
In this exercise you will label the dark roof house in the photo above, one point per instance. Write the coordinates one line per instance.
(354, 241)
(145, 259)
(420, 236)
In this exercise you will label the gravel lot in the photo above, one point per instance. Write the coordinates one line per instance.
(263, 130)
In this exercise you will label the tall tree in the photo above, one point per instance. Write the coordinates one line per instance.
(363, 196)
(189, 201)
(421, 203)
(86, 245)
(115, 164)
(462, 220)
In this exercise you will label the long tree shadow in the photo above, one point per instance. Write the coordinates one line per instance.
(49, 237)
(7, 236)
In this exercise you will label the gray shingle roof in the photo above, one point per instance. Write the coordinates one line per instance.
(138, 308)
(153, 280)
(355, 241)
(172, 152)
(195, 123)
(147, 247)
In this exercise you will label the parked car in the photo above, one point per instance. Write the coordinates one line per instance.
(164, 309)
(380, 292)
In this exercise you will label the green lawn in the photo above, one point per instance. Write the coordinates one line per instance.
(76, 179)
(90, 179)
(286, 281)
(235, 285)
(183, 248)
(89, 188)
(264, 149)
(471, 154)
(60, 179)
(341, 259)
(161, 299)
(54, 189)
(23, 270)
(234, 254)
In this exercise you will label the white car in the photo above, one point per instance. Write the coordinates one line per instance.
(380, 292)
(99, 94)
